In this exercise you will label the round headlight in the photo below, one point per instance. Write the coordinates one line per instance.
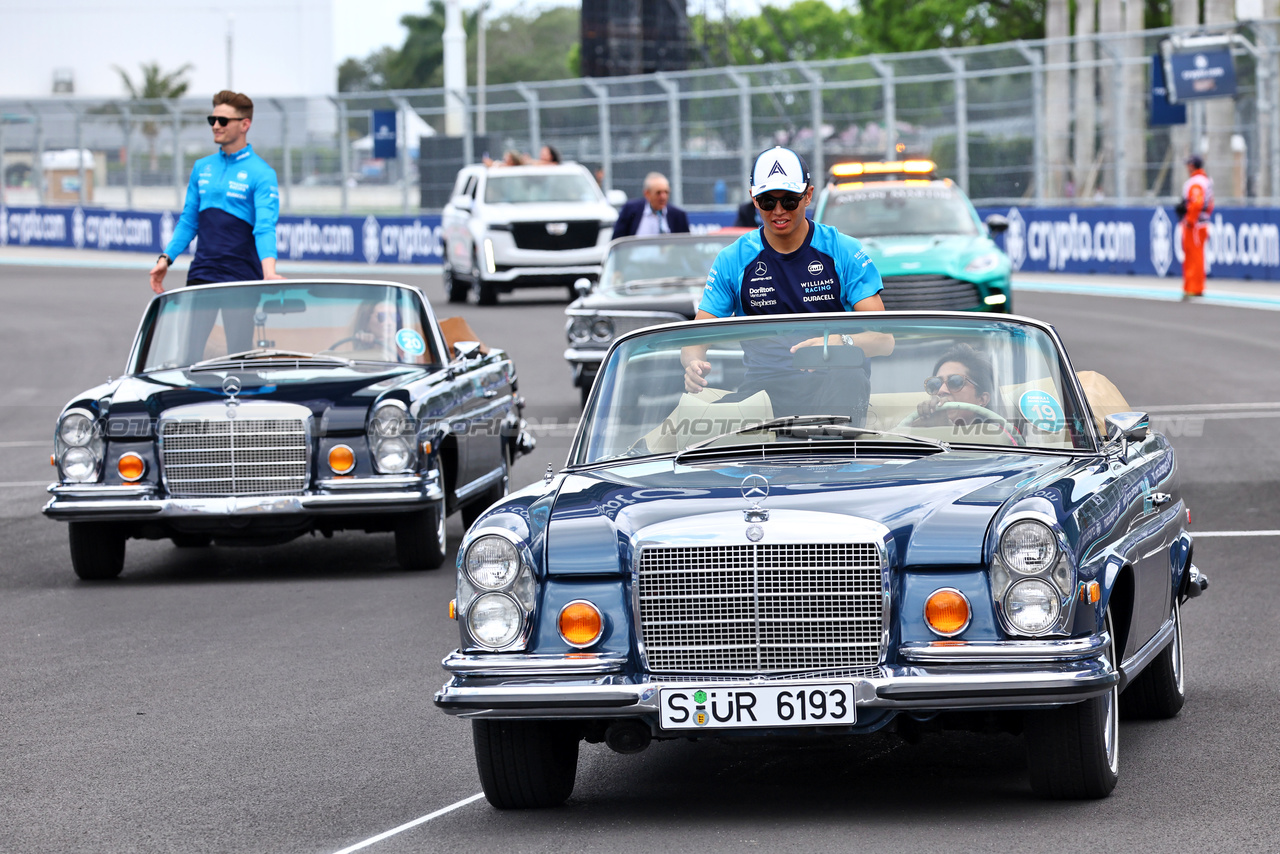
(76, 430)
(494, 620)
(1028, 547)
(1032, 606)
(79, 464)
(602, 329)
(388, 421)
(579, 330)
(492, 563)
(393, 455)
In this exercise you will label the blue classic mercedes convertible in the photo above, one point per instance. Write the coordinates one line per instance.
(828, 525)
(251, 413)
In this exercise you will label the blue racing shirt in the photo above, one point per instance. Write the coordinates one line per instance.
(233, 204)
(829, 272)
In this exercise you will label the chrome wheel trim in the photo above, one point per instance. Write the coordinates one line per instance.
(441, 537)
(1111, 723)
(1178, 673)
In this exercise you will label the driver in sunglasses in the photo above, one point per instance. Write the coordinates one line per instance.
(232, 204)
(790, 265)
(962, 375)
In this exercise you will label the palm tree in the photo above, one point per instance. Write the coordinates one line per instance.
(156, 85)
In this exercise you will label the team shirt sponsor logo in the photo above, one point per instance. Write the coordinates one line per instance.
(815, 267)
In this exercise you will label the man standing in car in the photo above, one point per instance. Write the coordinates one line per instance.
(791, 265)
(232, 204)
(652, 214)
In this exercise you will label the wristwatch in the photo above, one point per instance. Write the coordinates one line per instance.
(846, 340)
(166, 258)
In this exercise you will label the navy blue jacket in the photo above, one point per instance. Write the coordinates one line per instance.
(629, 219)
(233, 204)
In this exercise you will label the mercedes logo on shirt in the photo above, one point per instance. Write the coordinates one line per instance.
(761, 269)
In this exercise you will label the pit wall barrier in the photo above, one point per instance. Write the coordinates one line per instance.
(1244, 243)
(361, 240)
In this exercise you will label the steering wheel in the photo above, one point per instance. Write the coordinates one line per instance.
(971, 407)
(349, 339)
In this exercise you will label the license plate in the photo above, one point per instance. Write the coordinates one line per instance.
(738, 706)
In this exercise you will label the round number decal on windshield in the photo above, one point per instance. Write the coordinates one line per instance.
(1042, 411)
(411, 342)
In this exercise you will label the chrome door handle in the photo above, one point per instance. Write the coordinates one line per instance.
(1159, 499)
(490, 394)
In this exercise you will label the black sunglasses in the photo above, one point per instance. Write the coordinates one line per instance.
(222, 121)
(954, 383)
(790, 202)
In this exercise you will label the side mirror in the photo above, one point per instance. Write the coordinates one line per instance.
(462, 203)
(1127, 427)
(582, 287)
(466, 350)
(617, 198)
(997, 223)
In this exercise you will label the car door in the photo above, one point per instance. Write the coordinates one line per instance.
(1147, 486)
(454, 221)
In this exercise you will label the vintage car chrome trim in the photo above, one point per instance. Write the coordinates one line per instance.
(479, 484)
(72, 507)
(997, 652)
(501, 664)
(381, 481)
(102, 490)
(912, 687)
(575, 354)
(1134, 664)
(787, 527)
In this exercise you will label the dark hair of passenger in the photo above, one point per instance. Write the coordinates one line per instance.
(554, 155)
(978, 365)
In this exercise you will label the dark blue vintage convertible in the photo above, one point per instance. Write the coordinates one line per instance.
(823, 526)
(252, 413)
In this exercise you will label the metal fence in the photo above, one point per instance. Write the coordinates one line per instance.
(1036, 122)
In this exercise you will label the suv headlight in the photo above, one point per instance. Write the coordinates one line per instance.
(392, 439)
(78, 447)
(1028, 547)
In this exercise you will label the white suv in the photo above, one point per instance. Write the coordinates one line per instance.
(507, 227)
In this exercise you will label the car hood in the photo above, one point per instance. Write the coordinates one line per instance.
(321, 390)
(507, 212)
(924, 254)
(937, 507)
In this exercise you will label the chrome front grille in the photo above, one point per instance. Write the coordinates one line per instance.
(923, 292)
(234, 456)
(761, 609)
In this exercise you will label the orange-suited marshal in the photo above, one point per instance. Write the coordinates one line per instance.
(1196, 208)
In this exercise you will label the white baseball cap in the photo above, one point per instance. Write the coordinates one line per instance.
(779, 168)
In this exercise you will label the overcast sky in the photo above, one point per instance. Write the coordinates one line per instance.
(362, 26)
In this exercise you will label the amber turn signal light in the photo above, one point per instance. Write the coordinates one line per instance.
(131, 467)
(947, 612)
(580, 623)
(341, 459)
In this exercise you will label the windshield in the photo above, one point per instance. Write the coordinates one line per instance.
(374, 323)
(649, 261)
(519, 189)
(890, 210)
(999, 384)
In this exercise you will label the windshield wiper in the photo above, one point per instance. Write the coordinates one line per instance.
(837, 423)
(266, 353)
(663, 282)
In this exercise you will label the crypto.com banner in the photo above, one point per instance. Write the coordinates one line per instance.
(360, 240)
(1244, 243)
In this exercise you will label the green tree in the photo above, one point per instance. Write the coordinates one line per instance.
(521, 48)
(365, 75)
(891, 26)
(419, 63)
(807, 29)
(155, 85)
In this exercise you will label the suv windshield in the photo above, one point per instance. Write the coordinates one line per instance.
(363, 323)
(999, 384)
(887, 210)
(519, 189)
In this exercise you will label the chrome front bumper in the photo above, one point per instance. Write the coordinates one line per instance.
(389, 493)
(1009, 674)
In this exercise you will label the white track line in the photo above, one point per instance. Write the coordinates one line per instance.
(1195, 535)
(411, 824)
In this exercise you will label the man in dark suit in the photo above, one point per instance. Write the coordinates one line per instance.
(652, 214)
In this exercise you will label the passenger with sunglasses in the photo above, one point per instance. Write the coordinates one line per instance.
(232, 204)
(790, 265)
